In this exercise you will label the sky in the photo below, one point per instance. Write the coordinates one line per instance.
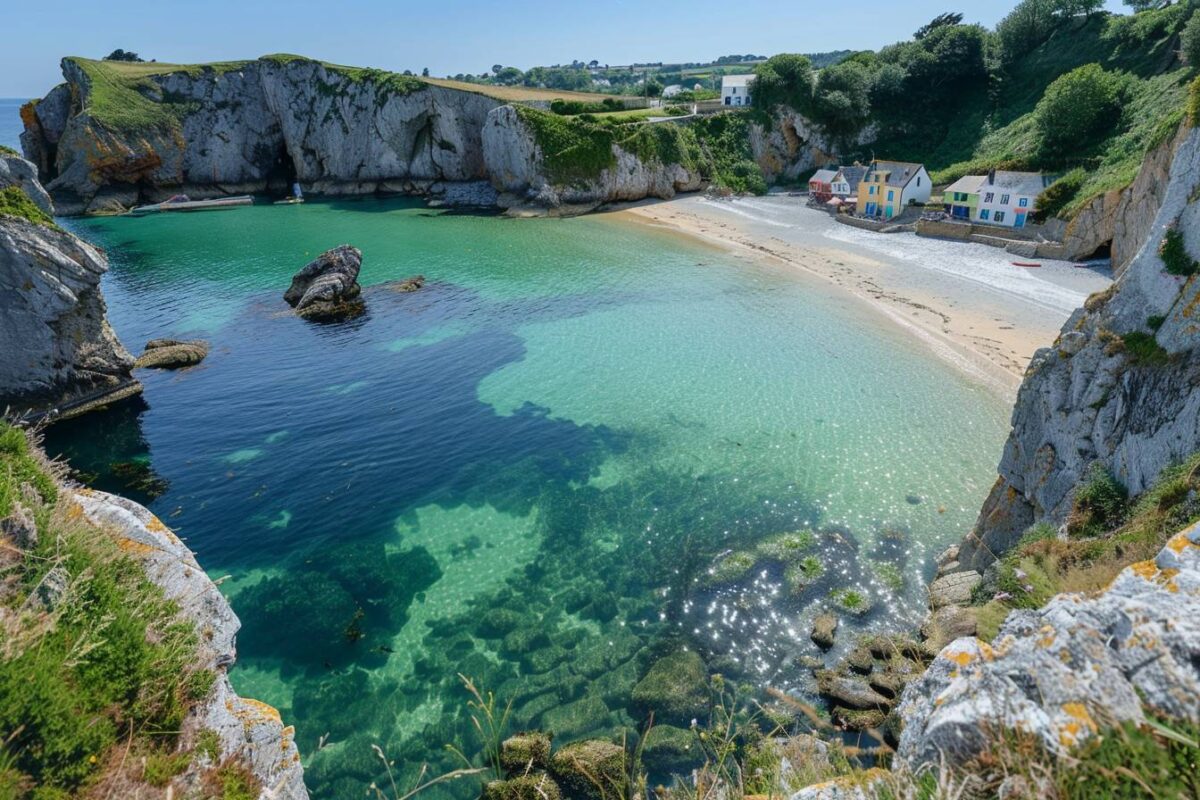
(452, 36)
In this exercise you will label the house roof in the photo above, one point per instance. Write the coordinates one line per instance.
(823, 176)
(852, 175)
(968, 184)
(1030, 184)
(899, 172)
(730, 81)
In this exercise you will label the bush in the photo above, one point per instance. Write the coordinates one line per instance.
(783, 80)
(1059, 194)
(1189, 40)
(1079, 108)
(1174, 255)
(1099, 503)
(1144, 349)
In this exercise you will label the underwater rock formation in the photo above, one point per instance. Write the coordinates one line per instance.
(172, 354)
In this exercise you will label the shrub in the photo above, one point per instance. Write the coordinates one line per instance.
(1077, 109)
(1174, 254)
(1144, 349)
(1059, 194)
(1189, 40)
(15, 203)
(1099, 503)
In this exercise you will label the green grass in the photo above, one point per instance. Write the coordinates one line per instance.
(1175, 257)
(15, 203)
(7, 151)
(108, 656)
(1144, 349)
(574, 149)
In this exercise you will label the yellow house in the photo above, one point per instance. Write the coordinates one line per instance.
(890, 186)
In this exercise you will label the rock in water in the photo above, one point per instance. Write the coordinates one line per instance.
(409, 284)
(824, 628)
(57, 351)
(172, 353)
(327, 288)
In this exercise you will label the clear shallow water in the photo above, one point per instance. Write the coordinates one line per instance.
(523, 472)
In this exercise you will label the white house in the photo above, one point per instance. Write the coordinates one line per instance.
(735, 90)
(1007, 198)
(672, 90)
(845, 182)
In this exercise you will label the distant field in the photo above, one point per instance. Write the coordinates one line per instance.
(519, 93)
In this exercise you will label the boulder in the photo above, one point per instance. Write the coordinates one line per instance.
(535, 786)
(172, 354)
(850, 691)
(675, 689)
(824, 628)
(667, 748)
(592, 769)
(947, 624)
(953, 589)
(19, 527)
(1062, 673)
(327, 287)
(408, 284)
(525, 753)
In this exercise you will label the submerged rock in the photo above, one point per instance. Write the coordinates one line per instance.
(534, 786)
(675, 689)
(824, 628)
(525, 752)
(327, 288)
(408, 284)
(672, 749)
(172, 354)
(592, 769)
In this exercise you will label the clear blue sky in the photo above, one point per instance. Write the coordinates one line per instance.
(451, 36)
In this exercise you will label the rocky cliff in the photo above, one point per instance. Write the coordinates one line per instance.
(249, 730)
(1120, 386)
(114, 134)
(58, 348)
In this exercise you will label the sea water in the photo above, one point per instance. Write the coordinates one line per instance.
(530, 472)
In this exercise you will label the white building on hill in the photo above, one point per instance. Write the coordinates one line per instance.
(735, 90)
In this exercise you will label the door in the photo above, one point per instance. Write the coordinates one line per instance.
(870, 209)
(888, 213)
(1020, 222)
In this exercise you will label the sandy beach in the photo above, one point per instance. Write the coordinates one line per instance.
(967, 302)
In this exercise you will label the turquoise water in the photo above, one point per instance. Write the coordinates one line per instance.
(528, 472)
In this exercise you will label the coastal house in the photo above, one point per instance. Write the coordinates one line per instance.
(820, 185)
(961, 198)
(1008, 198)
(845, 183)
(892, 186)
(735, 90)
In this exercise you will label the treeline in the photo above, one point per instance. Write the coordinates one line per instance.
(917, 92)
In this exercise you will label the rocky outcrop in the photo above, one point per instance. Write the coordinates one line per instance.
(248, 730)
(1062, 673)
(327, 287)
(1119, 388)
(1122, 219)
(59, 353)
(172, 354)
(792, 145)
(519, 171)
(251, 127)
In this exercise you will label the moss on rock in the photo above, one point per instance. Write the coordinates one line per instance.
(535, 786)
(675, 689)
(525, 752)
(668, 748)
(592, 769)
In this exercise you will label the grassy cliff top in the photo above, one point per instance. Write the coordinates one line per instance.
(15, 203)
(124, 94)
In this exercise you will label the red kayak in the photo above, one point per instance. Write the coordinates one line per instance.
(1024, 264)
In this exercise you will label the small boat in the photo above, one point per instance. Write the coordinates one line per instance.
(1025, 264)
(181, 202)
(289, 201)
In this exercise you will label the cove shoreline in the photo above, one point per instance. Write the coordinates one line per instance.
(986, 331)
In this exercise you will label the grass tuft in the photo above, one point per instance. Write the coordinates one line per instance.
(15, 203)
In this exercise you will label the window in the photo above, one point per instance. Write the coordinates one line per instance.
(983, 215)
(1003, 199)
(891, 195)
(871, 190)
(989, 197)
(1024, 202)
(999, 216)
(918, 180)
(733, 90)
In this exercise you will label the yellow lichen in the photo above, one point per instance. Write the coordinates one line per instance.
(961, 658)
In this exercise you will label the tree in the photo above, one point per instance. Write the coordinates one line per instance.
(1077, 109)
(941, 20)
(509, 76)
(842, 99)
(783, 80)
(425, 72)
(496, 68)
(1026, 27)
(1146, 5)
(1189, 40)
(653, 88)
(122, 55)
